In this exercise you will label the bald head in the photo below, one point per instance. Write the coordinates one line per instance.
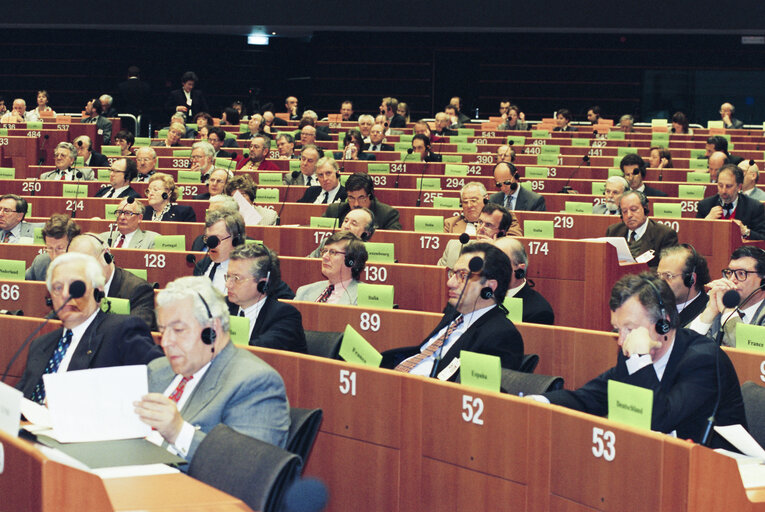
(517, 254)
(716, 161)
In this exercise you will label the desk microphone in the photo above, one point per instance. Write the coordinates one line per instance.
(76, 290)
(78, 175)
(398, 174)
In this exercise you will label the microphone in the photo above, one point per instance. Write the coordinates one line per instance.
(111, 235)
(294, 175)
(78, 175)
(306, 495)
(76, 290)
(398, 174)
(190, 258)
(464, 238)
(585, 159)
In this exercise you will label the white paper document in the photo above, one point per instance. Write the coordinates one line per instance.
(622, 249)
(741, 439)
(36, 414)
(131, 471)
(10, 409)
(96, 404)
(249, 213)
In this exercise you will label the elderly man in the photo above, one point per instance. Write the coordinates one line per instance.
(474, 321)
(615, 187)
(687, 273)
(442, 125)
(173, 138)
(473, 196)
(512, 195)
(204, 380)
(626, 123)
(64, 156)
(224, 230)
(360, 222)
(118, 283)
(716, 161)
(216, 184)
(106, 105)
(89, 338)
(13, 228)
(202, 158)
(121, 173)
(494, 222)
(751, 177)
(365, 126)
(93, 111)
(260, 146)
(90, 158)
(285, 145)
(377, 139)
(57, 233)
(644, 236)
(146, 161)
(536, 309)
(309, 157)
(307, 136)
(342, 260)
(505, 153)
(634, 169)
(730, 204)
(687, 372)
(329, 189)
(252, 278)
(128, 234)
(726, 114)
(360, 194)
(18, 114)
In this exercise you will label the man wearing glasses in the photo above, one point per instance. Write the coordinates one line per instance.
(511, 194)
(56, 233)
(146, 160)
(202, 155)
(687, 273)
(744, 274)
(63, 157)
(360, 194)
(633, 167)
(475, 321)
(252, 279)
(15, 230)
(224, 230)
(342, 260)
(128, 234)
(494, 222)
(121, 173)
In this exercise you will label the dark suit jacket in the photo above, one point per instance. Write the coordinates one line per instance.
(362, 156)
(397, 121)
(224, 154)
(204, 196)
(128, 192)
(693, 309)
(139, 292)
(527, 200)
(433, 157)
(657, 237)
(446, 132)
(653, 192)
(111, 340)
(567, 128)
(536, 309)
(279, 325)
(312, 193)
(176, 213)
(748, 210)
(685, 396)
(177, 98)
(98, 160)
(491, 334)
(383, 147)
(133, 96)
(386, 217)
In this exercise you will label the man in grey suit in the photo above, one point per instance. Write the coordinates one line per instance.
(342, 260)
(205, 380)
(512, 195)
(57, 233)
(751, 177)
(64, 156)
(615, 187)
(13, 209)
(129, 235)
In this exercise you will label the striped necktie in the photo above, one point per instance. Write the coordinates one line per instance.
(408, 365)
(38, 395)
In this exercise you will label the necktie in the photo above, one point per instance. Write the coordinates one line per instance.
(120, 241)
(632, 237)
(178, 393)
(408, 365)
(214, 269)
(509, 202)
(241, 312)
(326, 293)
(6, 237)
(38, 395)
(326, 197)
(727, 209)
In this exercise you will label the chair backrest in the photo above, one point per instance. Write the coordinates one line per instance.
(754, 406)
(304, 427)
(515, 382)
(254, 471)
(529, 363)
(323, 343)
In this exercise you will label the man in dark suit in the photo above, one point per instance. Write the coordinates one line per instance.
(217, 137)
(119, 283)
(89, 338)
(633, 168)
(224, 230)
(536, 309)
(360, 194)
(678, 365)
(89, 157)
(121, 173)
(252, 277)
(686, 272)
(329, 190)
(389, 107)
(476, 323)
(730, 204)
(133, 94)
(93, 115)
(421, 147)
(442, 125)
(642, 234)
(512, 195)
(377, 139)
(187, 99)
(563, 121)
(726, 114)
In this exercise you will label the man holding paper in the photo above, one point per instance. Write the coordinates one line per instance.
(678, 365)
(204, 380)
(477, 286)
(89, 337)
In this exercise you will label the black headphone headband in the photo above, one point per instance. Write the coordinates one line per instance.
(662, 324)
(208, 334)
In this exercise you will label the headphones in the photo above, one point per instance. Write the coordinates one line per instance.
(688, 276)
(108, 258)
(513, 171)
(520, 273)
(364, 236)
(208, 334)
(236, 237)
(662, 324)
(643, 202)
(263, 284)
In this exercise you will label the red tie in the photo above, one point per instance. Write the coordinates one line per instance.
(120, 241)
(326, 293)
(6, 237)
(178, 393)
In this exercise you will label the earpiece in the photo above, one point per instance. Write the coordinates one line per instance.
(208, 334)
(486, 293)
(520, 273)
(108, 258)
(237, 238)
(349, 261)
(263, 284)
(164, 195)
(49, 302)
(364, 236)
(98, 295)
(662, 324)
(689, 278)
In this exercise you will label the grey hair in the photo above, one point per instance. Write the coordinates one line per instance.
(69, 146)
(621, 181)
(93, 271)
(201, 291)
(204, 146)
(474, 184)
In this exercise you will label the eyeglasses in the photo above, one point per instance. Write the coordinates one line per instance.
(633, 173)
(461, 274)
(144, 159)
(235, 278)
(62, 155)
(117, 213)
(55, 250)
(740, 274)
(197, 157)
(331, 252)
(667, 276)
(471, 201)
(506, 182)
(205, 238)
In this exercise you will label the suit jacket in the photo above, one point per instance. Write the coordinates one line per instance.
(87, 174)
(600, 209)
(383, 147)
(458, 224)
(492, 334)
(527, 200)
(433, 157)
(178, 98)
(734, 124)
(103, 126)
(311, 292)
(224, 154)
(757, 194)
(133, 95)
(141, 239)
(176, 213)
(397, 121)
(279, 325)
(128, 192)
(536, 309)
(653, 192)
(298, 180)
(694, 309)
(239, 390)
(567, 128)
(110, 340)
(139, 292)
(26, 230)
(97, 160)
(729, 336)
(38, 270)
(386, 217)
(685, 396)
(312, 193)
(361, 156)
(749, 211)
(657, 236)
